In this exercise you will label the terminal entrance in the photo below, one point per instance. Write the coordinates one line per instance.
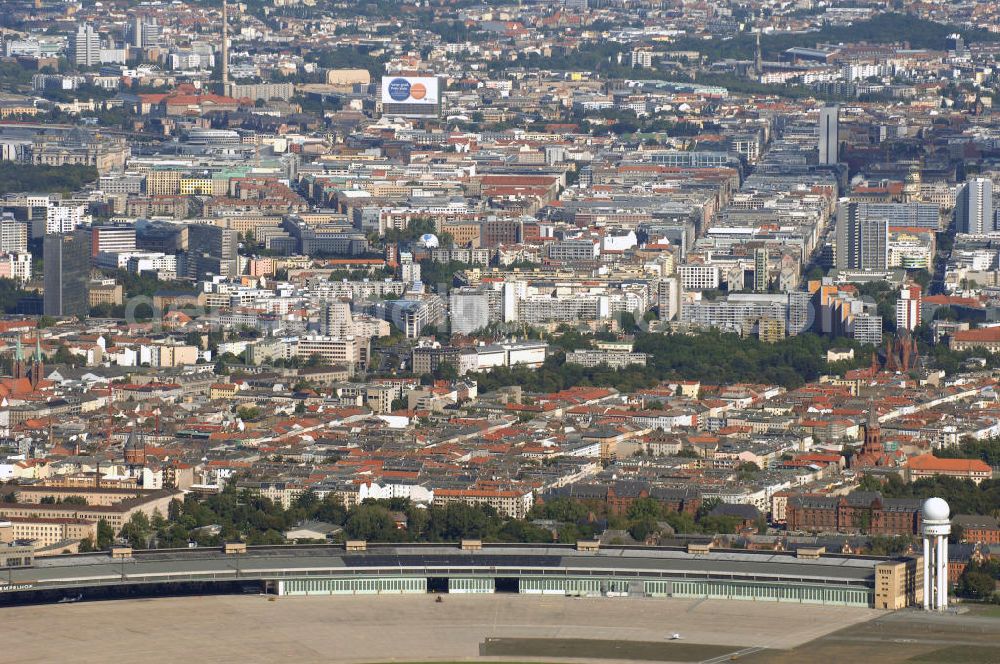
(474, 585)
(464, 585)
(508, 584)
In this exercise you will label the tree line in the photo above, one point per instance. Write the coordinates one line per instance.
(711, 357)
(963, 496)
(44, 179)
(245, 515)
(880, 29)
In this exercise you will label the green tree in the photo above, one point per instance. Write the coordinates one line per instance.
(63, 355)
(137, 530)
(712, 525)
(643, 528)
(644, 509)
(456, 521)
(44, 179)
(174, 510)
(565, 510)
(681, 522)
(307, 501)
(975, 584)
(372, 523)
(105, 535)
(329, 510)
(516, 530)
(570, 532)
(248, 413)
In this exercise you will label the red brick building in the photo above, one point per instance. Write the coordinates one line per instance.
(619, 496)
(872, 453)
(859, 512)
(977, 529)
(960, 556)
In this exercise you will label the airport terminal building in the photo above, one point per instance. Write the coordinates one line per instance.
(805, 576)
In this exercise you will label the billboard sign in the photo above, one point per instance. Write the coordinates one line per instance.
(410, 90)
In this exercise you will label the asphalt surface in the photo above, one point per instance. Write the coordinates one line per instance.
(247, 629)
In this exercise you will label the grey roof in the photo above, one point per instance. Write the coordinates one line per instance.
(284, 561)
(975, 521)
(745, 512)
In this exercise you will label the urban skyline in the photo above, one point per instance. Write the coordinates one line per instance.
(452, 312)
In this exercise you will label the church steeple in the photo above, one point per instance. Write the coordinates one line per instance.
(872, 453)
(873, 431)
(17, 367)
(757, 67)
(758, 57)
(37, 363)
(872, 415)
(135, 453)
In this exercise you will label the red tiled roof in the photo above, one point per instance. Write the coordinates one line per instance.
(979, 334)
(931, 463)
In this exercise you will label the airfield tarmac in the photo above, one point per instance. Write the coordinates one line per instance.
(230, 629)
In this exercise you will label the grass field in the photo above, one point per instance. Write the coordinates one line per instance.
(656, 651)
(959, 655)
(985, 610)
(905, 637)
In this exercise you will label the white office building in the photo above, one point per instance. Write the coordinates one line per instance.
(85, 46)
(469, 311)
(974, 207)
(829, 129)
(64, 218)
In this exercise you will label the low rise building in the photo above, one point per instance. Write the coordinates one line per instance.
(512, 503)
(928, 465)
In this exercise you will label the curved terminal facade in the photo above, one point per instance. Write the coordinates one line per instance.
(812, 577)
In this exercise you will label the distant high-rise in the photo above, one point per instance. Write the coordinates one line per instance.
(470, 311)
(67, 273)
(917, 215)
(143, 31)
(974, 207)
(758, 58)
(225, 46)
(829, 129)
(337, 320)
(760, 275)
(862, 238)
(956, 44)
(668, 297)
(908, 307)
(13, 234)
(85, 46)
(133, 31)
(111, 239)
(212, 251)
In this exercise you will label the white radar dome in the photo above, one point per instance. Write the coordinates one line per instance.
(935, 509)
(429, 240)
